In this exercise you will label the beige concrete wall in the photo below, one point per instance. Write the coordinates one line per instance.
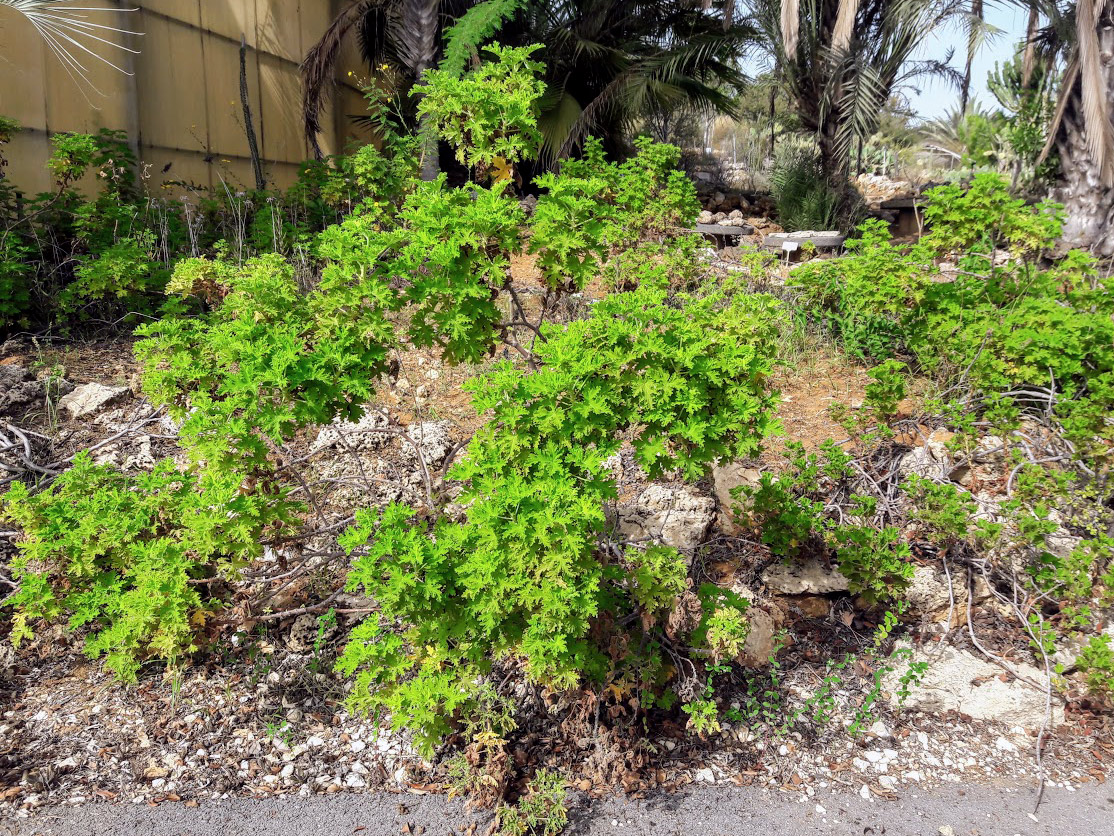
(181, 104)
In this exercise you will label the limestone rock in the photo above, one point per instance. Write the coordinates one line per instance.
(669, 516)
(955, 680)
(727, 478)
(90, 398)
(759, 645)
(19, 389)
(931, 460)
(929, 598)
(432, 438)
(804, 577)
(358, 435)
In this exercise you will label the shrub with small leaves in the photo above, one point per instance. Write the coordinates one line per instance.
(489, 114)
(130, 557)
(526, 576)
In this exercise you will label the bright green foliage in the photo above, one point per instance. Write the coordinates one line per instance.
(1001, 327)
(120, 554)
(595, 208)
(524, 575)
(570, 225)
(865, 295)
(974, 220)
(649, 198)
(473, 28)
(541, 811)
(490, 113)
(791, 512)
(267, 360)
(454, 252)
(124, 269)
(1096, 661)
(876, 563)
(943, 511)
(72, 156)
(886, 389)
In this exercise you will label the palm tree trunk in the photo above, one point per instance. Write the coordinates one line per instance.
(1087, 195)
(976, 18)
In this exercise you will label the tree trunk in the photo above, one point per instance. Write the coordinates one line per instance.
(431, 164)
(976, 19)
(1088, 201)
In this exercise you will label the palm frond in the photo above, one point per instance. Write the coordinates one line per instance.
(1096, 108)
(845, 25)
(319, 67)
(71, 35)
(414, 28)
(790, 26)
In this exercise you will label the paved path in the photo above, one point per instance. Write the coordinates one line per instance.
(707, 811)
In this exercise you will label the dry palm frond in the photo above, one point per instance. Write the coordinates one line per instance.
(1096, 108)
(69, 32)
(844, 25)
(320, 63)
(790, 27)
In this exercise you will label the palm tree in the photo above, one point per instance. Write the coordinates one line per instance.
(72, 33)
(1081, 34)
(407, 35)
(612, 63)
(841, 60)
(975, 26)
(608, 63)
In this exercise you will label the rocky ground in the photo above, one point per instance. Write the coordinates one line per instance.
(263, 715)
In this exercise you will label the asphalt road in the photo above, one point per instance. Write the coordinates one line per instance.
(704, 811)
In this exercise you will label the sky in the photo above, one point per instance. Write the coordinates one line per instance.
(938, 96)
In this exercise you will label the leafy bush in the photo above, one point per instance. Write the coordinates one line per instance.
(804, 197)
(489, 113)
(791, 512)
(994, 325)
(525, 575)
(865, 295)
(1096, 662)
(130, 556)
(541, 811)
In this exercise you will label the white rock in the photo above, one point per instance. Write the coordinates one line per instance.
(1003, 745)
(355, 781)
(726, 479)
(804, 577)
(359, 435)
(878, 729)
(705, 776)
(432, 438)
(864, 791)
(669, 516)
(955, 680)
(90, 398)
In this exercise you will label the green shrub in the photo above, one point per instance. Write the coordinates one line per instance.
(541, 811)
(524, 576)
(489, 113)
(1096, 662)
(804, 197)
(791, 512)
(130, 556)
(994, 326)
